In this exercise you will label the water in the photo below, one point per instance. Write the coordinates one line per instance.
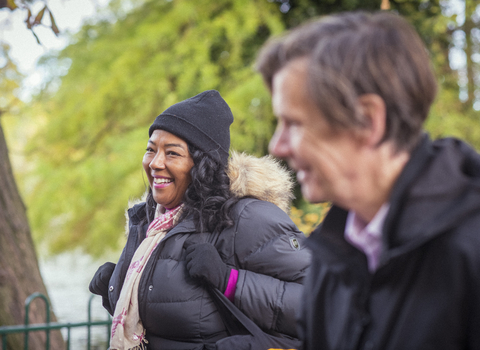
(66, 277)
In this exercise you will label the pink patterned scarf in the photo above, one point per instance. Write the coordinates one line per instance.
(127, 328)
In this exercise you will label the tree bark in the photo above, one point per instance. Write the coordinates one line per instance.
(19, 271)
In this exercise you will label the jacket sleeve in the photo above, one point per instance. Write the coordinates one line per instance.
(100, 283)
(273, 260)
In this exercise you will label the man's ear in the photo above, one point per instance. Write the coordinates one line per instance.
(373, 108)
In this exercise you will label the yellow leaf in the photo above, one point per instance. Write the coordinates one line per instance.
(11, 5)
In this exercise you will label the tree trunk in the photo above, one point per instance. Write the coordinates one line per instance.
(19, 271)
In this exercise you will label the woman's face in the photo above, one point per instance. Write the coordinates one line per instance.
(167, 163)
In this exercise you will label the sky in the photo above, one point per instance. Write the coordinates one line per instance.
(24, 49)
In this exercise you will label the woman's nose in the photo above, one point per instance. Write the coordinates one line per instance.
(158, 162)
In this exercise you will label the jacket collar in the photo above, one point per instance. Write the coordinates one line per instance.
(420, 157)
(438, 189)
(186, 225)
(137, 213)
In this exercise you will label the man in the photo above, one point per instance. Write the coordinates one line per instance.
(396, 262)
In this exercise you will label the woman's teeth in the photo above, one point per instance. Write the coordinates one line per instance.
(162, 180)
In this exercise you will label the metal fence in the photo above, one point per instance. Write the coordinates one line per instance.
(26, 328)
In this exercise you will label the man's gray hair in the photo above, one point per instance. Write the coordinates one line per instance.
(357, 53)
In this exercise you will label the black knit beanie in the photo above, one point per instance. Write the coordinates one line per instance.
(203, 120)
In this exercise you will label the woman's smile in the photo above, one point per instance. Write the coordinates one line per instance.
(161, 182)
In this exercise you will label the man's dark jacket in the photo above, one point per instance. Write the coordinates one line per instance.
(426, 291)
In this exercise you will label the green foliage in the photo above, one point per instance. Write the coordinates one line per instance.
(10, 104)
(449, 116)
(301, 10)
(308, 216)
(94, 130)
(9, 82)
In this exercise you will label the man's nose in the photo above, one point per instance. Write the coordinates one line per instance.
(279, 146)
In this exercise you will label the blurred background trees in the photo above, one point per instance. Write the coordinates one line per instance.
(19, 271)
(86, 130)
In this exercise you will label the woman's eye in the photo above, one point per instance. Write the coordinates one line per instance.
(149, 149)
(173, 153)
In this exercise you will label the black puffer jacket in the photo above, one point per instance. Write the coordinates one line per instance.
(426, 291)
(177, 311)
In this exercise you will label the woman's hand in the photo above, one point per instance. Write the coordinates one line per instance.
(99, 283)
(204, 262)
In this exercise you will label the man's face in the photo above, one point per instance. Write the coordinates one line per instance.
(324, 160)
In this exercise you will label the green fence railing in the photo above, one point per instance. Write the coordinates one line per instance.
(26, 328)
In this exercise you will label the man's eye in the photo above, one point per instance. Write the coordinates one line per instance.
(288, 124)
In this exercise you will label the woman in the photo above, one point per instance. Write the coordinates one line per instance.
(199, 228)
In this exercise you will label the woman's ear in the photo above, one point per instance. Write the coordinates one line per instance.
(373, 108)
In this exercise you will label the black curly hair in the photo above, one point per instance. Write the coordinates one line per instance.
(208, 198)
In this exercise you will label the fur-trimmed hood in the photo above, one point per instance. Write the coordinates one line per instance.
(263, 178)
